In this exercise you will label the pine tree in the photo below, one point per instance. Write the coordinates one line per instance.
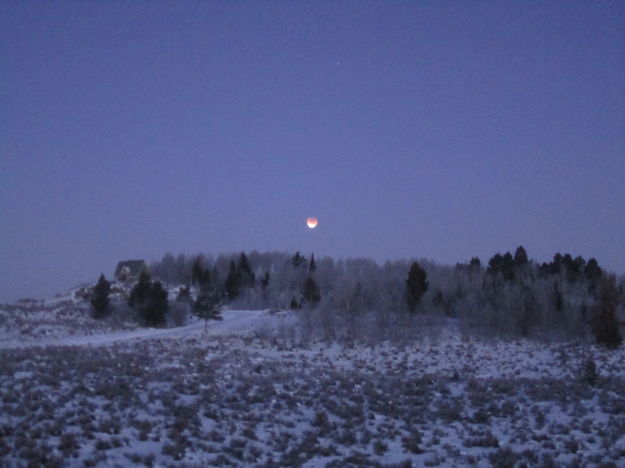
(577, 268)
(520, 257)
(100, 297)
(265, 281)
(207, 306)
(416, 285)
(475, 264)
(149, 299)
(140, 290)
(593, 274)
(154, 306)
(233, 282)
(311, 293)
(495, 264)
(298, 260)
(507, 268)
(245, 272)
(313, 266)
(197, 272)
(605, 323)
(556, 264)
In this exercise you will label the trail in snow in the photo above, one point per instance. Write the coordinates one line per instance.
(234, 322)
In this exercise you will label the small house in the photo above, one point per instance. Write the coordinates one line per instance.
(130, 270)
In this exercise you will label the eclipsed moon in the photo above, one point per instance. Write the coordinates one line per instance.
(312, 223)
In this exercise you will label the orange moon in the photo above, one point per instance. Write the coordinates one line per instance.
(312, 223)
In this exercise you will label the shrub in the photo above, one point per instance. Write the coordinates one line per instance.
(590, 375)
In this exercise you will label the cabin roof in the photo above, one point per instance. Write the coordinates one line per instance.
(135, 266)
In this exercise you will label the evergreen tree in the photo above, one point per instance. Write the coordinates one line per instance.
(605, 323)
(233, 282)
(265, 281)
(197, 272)
(508, 267)
(556, 264)
(207, 306)
(206, 277)
(311, 293)
(495, 264)
(100, 297)
(154, 306)
(520, 257)
(244, 270)
(313, 266)
(593, 274)
(475, 264)
(298, 260)
(149, 299)
(577, 268)
(416, 285)
(140, 290)
(214, 278)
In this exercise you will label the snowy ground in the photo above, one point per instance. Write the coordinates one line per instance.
(233, 397)
(235, 322)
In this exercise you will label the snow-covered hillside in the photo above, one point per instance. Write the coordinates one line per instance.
(242, 394)
(29, 322)
(67, 318)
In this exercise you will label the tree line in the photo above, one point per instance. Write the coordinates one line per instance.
(512, 295)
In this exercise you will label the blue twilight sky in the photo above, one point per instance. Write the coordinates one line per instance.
(441, 130)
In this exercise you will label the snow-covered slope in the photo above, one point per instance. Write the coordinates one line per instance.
(242, 394)
(235, 322)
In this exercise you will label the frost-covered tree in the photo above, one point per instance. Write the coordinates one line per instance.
(512, 296)
(416, 285)
(100, 297)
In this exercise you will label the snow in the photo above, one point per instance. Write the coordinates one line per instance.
(241, 394)
(234, 322)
